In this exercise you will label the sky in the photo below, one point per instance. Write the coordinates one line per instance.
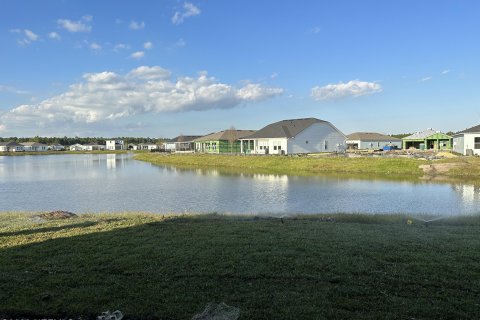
(161, 68)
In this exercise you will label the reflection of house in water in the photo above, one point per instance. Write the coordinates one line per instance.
(113, 161)
(468, 192)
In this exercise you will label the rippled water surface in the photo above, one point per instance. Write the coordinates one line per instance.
(106, 183)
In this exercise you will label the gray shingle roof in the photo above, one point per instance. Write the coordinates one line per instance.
(184, 138)
(471, 130)
(422, 134)
(33, 144)
(226, 135)
(285, 128)
(371, 136)
(10, 144)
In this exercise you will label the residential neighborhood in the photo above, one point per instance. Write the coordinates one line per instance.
(285, 137)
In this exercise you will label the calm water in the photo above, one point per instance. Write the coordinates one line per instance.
(105, 183)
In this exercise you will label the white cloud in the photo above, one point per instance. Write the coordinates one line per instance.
(315, 30)
(444, 72)
(31, 35)
(95, 46)
(87, 18)
(120, 46)
(75, 26)
(274, 75)
(15, 30)
(180, 43)
(353, 88)
(148, 45)
(108, 95)
(426, 79)
(134, 25)
(137, 55)
(3, 128)
(189, 10)
(54, 35)
(10, 89)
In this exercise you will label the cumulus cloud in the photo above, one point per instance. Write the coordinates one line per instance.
(189, 10)
(120, 46)
(54, 35)
(81, 25)
(137, 55)
(107, 95)
(95, 46)
(353, 88)
(148, 45)
(29, 36)
(134, 25)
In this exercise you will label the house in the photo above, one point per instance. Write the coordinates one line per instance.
(147, 146)
(226, 141)
(428, 140)
(76, 147)
(295, 136)
(181, 144)
(371, 141)
(56, 147)
(10, 147)
(114, 145)
(93, 146)
(34, 146)
(467, 142)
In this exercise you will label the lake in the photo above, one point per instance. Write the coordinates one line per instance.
(118, 183)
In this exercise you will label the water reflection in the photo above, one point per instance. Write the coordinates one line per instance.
(116, 182)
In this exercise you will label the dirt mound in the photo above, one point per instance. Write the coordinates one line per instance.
(57, 215)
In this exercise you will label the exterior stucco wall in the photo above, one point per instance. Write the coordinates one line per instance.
(319, 137)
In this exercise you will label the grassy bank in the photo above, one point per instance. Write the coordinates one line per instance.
(147, 266)
(292, 165)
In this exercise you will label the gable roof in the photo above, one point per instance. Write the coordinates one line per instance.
(424, 134)
(226, 135)
(33, 144)
(285, 128)
(471, 130)
(371, 136)
(10, 144)
(184, 138)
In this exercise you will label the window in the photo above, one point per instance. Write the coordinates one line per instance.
(306, 142)
(326, 144)
(274, 147)
(477, 143)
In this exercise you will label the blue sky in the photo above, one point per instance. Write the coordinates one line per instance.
(161, 68)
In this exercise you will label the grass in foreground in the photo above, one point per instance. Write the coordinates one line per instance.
(148, 266)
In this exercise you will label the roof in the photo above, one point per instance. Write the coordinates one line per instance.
(226, 135)
(471, 130)
(10, 144)
(184, 138)
(423, 134)
(371, 136)
(147, 144)
(285, 128)
(33, 144)
(93, 144)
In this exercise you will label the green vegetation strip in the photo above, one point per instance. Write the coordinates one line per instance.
(313, 267)
(292, 165)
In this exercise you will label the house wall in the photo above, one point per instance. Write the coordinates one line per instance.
(319, 137)
(369, 145)
(458, 144)
(273, 145)
(467, 141)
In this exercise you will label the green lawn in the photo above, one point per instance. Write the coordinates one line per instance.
(148, 266)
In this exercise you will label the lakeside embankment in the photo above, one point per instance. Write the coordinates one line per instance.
(464, 168)
(159, 267)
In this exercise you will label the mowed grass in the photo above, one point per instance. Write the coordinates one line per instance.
(312, 267)
(292, 165)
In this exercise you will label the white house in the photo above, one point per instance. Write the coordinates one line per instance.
(309, 135)
(371, 141)
(34, 146)
(467, 142)
(56, 147)
(76, 147)
(146, 146)
(115, 145)
(10, 147)
(181, 143)
(93, 146)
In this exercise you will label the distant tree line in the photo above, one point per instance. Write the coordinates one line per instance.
(67, 141)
